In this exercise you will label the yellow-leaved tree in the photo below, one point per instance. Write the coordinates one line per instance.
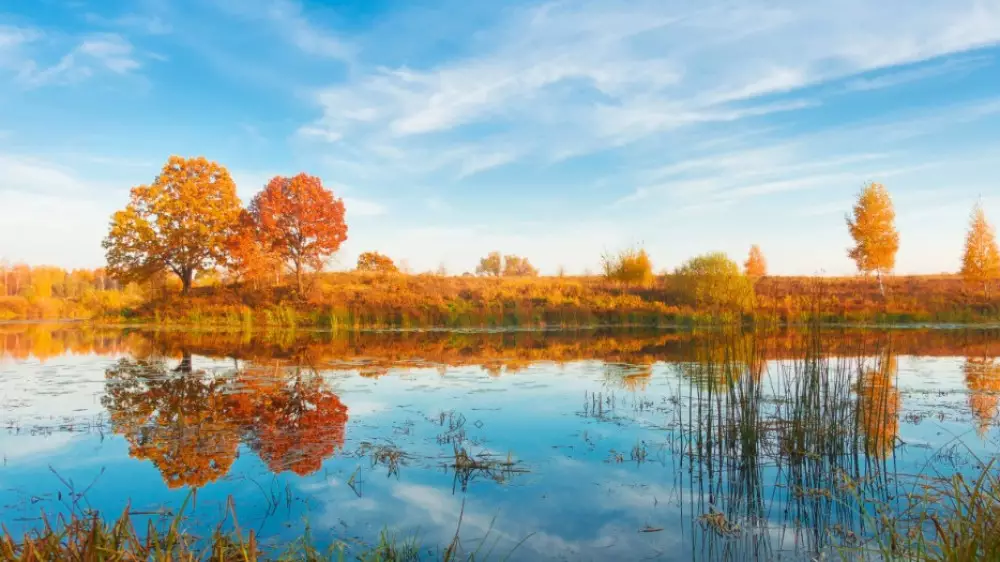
(981, 260)
(181, 223)
(873, 227)
(756, 265)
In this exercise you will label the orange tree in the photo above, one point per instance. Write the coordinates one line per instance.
(873, 227)
(756, 265)
(981, 259)
(180, 223)
(302, 220)
(250, 258)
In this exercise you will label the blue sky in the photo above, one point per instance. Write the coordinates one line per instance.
(554, 130)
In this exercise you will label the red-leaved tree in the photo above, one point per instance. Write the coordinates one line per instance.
(301, 220)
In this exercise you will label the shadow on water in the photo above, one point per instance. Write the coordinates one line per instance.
(766, 446)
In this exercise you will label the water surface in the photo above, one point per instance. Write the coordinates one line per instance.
(550, 445)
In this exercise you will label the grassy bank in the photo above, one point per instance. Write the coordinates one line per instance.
(358, 300)
(90, 538)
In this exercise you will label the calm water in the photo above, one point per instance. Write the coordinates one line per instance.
(586, 445)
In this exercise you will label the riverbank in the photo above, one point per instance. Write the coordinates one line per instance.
(364, 301)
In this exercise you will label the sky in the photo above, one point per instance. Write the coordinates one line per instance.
(555, 130)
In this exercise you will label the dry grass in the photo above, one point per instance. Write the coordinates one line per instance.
(370, 300)
(354, 300)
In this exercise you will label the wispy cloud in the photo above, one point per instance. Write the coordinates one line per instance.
(363, 207)
(12, 37)
(35, 175)
(922, 72)
(567, 79)
(288, 19)
(95, 53)
(142, 23)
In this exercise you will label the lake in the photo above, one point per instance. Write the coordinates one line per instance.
(576, 445)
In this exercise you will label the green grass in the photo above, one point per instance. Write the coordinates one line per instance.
(87, 537)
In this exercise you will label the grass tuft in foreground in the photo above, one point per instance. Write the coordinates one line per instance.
(89, 538)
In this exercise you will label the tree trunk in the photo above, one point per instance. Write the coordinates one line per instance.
(187, 276)
(298, 276)
(881, 287)
(185, 365)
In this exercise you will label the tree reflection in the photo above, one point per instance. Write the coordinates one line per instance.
(878, 406)
(190, 423)
(174, 418)
(982, 378)
(295, 421)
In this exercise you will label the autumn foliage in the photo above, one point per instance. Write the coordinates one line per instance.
(301, 222)
(517, 266)
(190, 423)
(251, 259)
(491, 265)
(981, 259)
(756, 265)
(873, 228)
(879, 403)
(630, 266)
(375, 262)
(181, 223)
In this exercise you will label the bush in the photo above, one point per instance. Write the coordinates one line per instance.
(630, 266)
(713, 280)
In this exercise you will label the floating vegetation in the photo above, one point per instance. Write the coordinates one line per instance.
(387, 455)
(467, 467)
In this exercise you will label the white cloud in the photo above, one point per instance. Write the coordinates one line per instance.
(485, 162)
(363, 207)
(144, 23)
(893, 79)
(12, 37)
(568, 79)
(289, 20)
(32, 175)
(319, 133)
(96, 53)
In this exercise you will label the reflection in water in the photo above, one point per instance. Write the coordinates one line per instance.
(982, 377)
(749, 438)
(190, 423)
(878, 406)
(712, 445)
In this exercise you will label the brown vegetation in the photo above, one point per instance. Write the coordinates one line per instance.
(356, 299)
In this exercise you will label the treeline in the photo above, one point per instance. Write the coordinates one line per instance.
(189, 229)
(47, 292)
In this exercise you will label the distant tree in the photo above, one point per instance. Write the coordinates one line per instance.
(442, 270)
(873, 228)
(303, 221)
(981, 260)
(180, 223)
(714, 280)
(516, 266)
(490, 266)
(376, 262)
(756, 265)
(631, 266)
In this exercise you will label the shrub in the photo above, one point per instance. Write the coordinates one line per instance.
(631, 266)
(714, 280)
(376, 262)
